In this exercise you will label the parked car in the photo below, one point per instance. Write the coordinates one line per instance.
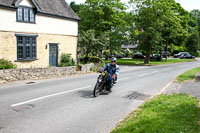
(164, 54)
(110, 56)
(119, 56)
(155, 57)
(179, 54)
(187, 56)
(138, 56)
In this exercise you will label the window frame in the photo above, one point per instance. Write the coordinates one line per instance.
(24, 40)
(23, 13)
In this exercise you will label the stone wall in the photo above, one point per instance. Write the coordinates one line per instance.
(9, 75)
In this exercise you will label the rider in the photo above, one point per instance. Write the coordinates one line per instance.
(113, 69)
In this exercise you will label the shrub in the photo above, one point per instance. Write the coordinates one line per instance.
(98, 63)
(106, 53)
(95, 59)
(66, 60)
(97, 67)
(4, 64)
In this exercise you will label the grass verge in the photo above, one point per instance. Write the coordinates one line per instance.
(189, 75)
(178, 113)
(141, 62)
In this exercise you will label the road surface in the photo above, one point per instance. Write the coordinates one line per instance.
(66, 105)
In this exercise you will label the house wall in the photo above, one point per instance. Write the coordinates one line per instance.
(49, 30)
(8, 48)
(44, 24)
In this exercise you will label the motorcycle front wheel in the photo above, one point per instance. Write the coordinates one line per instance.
(97, 89)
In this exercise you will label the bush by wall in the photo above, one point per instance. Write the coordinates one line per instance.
(4, 64)
(66, 60)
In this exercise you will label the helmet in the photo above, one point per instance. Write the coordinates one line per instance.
(113, 59)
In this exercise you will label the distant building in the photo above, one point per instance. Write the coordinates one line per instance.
(129, 46)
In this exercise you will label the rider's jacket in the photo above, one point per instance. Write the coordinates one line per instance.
(112, 69)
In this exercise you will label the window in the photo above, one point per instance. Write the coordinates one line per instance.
(26, 48)
(20, 48)
(25, 14)
(34, 47)
(20, 14)
(32, 16)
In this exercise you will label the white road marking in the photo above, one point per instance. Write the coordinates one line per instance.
(52, 95)
(145, 74)
(162, 90)
(166, 69)
(123, 78)
(184, 66)
(154, 72)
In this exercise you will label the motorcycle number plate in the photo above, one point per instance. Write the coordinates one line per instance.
(103, 74)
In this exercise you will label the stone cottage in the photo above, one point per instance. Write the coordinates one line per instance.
(34, 33)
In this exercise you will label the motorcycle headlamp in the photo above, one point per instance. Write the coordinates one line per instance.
(100, 80)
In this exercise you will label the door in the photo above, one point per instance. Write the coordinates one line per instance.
(53, 55)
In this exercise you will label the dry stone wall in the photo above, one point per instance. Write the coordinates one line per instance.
(10, 75)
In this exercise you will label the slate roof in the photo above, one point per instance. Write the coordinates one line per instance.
(49, 7)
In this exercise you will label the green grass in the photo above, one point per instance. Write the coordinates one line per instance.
(164, 114)
(189, 75)
(141, 62)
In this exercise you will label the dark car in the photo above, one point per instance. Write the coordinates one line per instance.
(138, 56)
(179, 54)
(164, 54)
(119, 56)
(155, 57)
(187, 56)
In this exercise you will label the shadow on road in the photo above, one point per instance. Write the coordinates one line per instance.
(86, 94)
(89, 94)
(198, 78)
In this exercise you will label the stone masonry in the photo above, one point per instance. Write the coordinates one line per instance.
(10, 75)
(8, 48)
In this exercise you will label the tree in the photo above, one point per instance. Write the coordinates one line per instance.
(104, 16)
(76, 7)
(89, 45)
(159, 22)
(196, 13)
(175, 30)
(101, 15)
(193, 42)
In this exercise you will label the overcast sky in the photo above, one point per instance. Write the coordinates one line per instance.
(187, 4)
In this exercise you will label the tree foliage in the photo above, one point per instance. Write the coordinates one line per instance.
(76, 7)
(193, 42)
(104, 20)
(90, 45)
(155, 25)
(159, 22)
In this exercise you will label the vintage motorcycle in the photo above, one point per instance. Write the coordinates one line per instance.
(103, 84)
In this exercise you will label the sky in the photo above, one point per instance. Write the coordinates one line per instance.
(187, 4)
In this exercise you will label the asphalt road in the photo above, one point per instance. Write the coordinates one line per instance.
(67, 106)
